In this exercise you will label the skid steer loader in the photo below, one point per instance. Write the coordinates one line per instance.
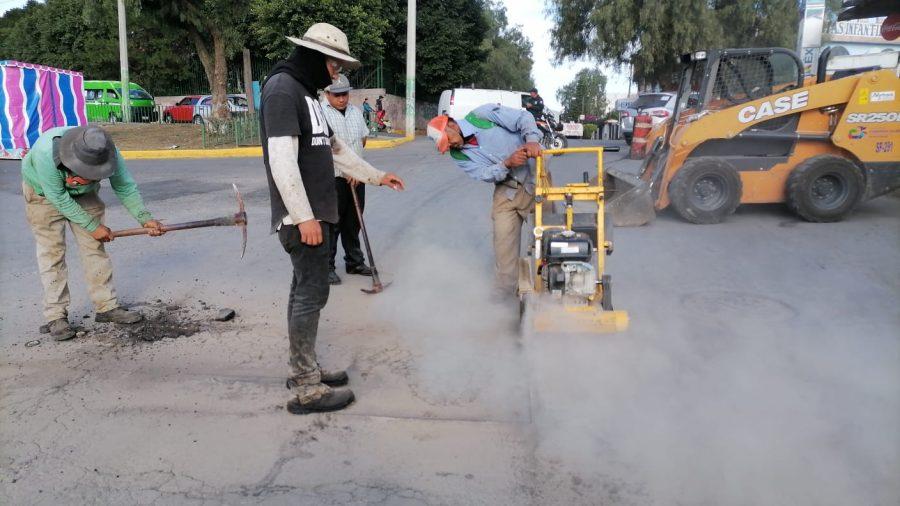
(749, 128)
(562, 284)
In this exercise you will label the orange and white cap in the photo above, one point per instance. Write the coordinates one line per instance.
(436, 131)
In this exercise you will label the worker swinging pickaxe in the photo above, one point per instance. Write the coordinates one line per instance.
(239, 219)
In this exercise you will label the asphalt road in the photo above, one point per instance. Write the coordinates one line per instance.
(762, 365)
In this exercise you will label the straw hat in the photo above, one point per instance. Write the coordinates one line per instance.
(328, 40)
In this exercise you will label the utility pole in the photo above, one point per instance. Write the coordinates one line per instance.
(123, 65)
(410, 68)
(630, 80)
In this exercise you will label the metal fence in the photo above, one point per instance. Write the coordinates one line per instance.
(193, 81)
(239, 130)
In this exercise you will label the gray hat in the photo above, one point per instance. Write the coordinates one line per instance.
(88, 152)
(339, 85)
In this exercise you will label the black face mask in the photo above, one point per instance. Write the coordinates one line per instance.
(305, 65)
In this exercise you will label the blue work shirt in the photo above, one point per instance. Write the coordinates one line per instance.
(499, 131)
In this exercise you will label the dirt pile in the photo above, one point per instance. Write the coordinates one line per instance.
(161, 321)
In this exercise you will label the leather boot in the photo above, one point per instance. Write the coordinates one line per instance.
(60, 330)
(334, 378)
(119, 315)
(319, 398)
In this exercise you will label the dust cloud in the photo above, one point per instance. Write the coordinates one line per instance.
(709, 399)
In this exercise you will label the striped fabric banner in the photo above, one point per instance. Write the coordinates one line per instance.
(34, 99)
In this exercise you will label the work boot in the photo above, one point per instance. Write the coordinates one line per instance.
(119, 315)
(60, 330)
(333, 278)
(361, 269)
(318, 398)
(334, 378)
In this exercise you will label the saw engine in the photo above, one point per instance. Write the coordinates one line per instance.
(567, 271)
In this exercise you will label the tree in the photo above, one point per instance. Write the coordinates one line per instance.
(585, 94)
(81, 35)
(217, 28)
(508, 63)
(449, 35)
(361, 20)
(651, 34)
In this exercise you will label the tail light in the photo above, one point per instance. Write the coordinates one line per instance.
(625, 114)
(660, 114)
(452, 96)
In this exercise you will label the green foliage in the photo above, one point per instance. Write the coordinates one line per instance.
(82, 35)
(362, 20)
(218, 29)
(585, 94)
(589, 130)
(508, 64)
(651, 34)
(459, 42)
(449, 35)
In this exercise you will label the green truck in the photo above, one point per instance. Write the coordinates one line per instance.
(104, 102)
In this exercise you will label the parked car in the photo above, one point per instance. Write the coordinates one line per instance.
(460, 101)
(198, 108)
(658, 105)
(104, 102)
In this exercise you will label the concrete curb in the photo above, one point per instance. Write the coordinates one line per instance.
(255, 151)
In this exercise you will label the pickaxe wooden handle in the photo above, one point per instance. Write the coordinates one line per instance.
(239, 220)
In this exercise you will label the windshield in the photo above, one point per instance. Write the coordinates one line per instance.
(650, 101)
(136, 94)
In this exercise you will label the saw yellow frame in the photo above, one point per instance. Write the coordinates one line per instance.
(592, 314)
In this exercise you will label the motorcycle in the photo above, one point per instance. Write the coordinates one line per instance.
(551, 128)
(381, 123)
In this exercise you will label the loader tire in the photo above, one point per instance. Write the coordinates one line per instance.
(825, 188)
(705, 190)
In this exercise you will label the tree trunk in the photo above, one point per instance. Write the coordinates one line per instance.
(203, 53)
(220, 77)
(216, 68)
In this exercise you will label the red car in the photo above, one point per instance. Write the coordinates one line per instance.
(197, 108)
(183, 111)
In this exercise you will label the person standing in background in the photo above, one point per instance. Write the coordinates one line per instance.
(348, 125)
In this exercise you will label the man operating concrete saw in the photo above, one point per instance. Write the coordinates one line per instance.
(493, 144)
(300, 153)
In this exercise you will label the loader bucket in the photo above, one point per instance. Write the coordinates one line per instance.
(630, 202)
(631, 199)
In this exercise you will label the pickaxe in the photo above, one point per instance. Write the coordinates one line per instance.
(377, 286)
(238, 220)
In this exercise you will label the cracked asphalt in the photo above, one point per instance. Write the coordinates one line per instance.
(762, 365)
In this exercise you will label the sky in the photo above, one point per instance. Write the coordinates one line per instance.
(536, 25)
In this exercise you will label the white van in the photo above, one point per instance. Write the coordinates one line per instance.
(460, 101)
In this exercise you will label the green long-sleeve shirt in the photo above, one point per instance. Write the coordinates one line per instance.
(41, 172)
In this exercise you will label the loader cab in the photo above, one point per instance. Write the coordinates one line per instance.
(714, 80)
(725, 78)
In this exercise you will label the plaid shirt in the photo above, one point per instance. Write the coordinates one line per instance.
(349, 127)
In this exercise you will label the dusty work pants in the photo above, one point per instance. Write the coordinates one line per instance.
(347, 228)
(309, 293)
(508, 215)
(49, 228)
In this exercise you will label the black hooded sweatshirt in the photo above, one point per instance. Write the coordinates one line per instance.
(289, 108)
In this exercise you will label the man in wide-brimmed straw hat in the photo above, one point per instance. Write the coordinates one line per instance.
(301, 153)
(61, 176)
